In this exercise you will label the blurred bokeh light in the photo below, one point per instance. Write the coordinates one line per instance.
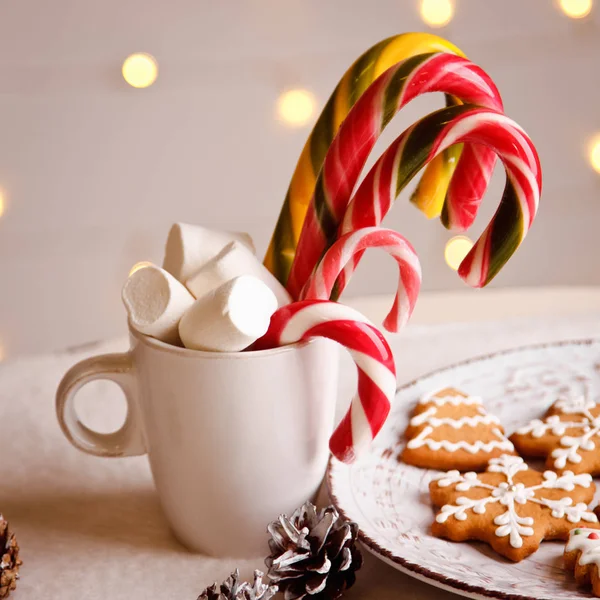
(139, 265)
(140, 70)
(456, 249)
(437, 13)
(576, 9)
(296, 107)
(595, 153)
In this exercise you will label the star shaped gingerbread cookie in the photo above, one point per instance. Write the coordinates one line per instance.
(568, 437)
(511, 507)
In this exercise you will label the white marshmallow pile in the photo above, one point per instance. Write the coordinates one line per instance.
(155, 302)
(212, 293)
(235, 259)
(230, 317)
(190, 247)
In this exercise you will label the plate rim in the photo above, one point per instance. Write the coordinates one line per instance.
(411, 568)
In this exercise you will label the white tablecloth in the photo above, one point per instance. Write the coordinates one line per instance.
(91, 528)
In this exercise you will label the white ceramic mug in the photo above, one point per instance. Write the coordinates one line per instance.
(233, 440)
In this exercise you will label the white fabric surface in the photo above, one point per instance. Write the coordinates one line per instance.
(92, 529)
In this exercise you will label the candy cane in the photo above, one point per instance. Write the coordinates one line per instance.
(418, 145)
(371, 353)
(320, 285)
(355, 81)
(365, 122)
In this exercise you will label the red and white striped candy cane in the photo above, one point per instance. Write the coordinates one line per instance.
(371, 353)
(356, 137)
(417, 146)
(321, 283)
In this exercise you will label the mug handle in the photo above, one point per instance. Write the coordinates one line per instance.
(129, 439)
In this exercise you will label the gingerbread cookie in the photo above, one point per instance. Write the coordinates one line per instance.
(582, 556)
(511, 507)
(568, 437)
(450, 430)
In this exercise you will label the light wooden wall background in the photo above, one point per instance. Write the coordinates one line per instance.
(95, 171)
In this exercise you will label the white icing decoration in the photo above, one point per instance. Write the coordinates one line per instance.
(465, 482)
(567, 480)
(590, 549)
(589, 427)
(575, 405)
(511, 495)
(457, 400)
(472, 447)
(429, 419)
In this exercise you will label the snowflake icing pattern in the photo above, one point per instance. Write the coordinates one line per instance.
(570, 446)
(512, 495)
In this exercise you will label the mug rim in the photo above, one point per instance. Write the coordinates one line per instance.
(155, 344)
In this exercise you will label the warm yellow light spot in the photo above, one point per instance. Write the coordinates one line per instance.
(140, 70)
(140, 265)
(2, 353)
(296, 107)
(2, 203)
(595, 153)
(576, 9)
(437, 13)
(456, 249)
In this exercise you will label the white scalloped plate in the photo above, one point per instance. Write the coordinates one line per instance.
(390, 501)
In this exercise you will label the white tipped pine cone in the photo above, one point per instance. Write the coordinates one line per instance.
(9, 559)
(232, 589)
(313, 554)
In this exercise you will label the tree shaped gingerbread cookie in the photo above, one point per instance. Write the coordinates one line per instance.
(568, 437)
(511, 507)
(451, 430)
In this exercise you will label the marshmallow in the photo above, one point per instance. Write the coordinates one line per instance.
(230, 318)
(155, 301)
(189, 247)
(234, 260)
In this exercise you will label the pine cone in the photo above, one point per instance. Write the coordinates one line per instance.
(232, 589)
(9, 559)
(314, 554)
